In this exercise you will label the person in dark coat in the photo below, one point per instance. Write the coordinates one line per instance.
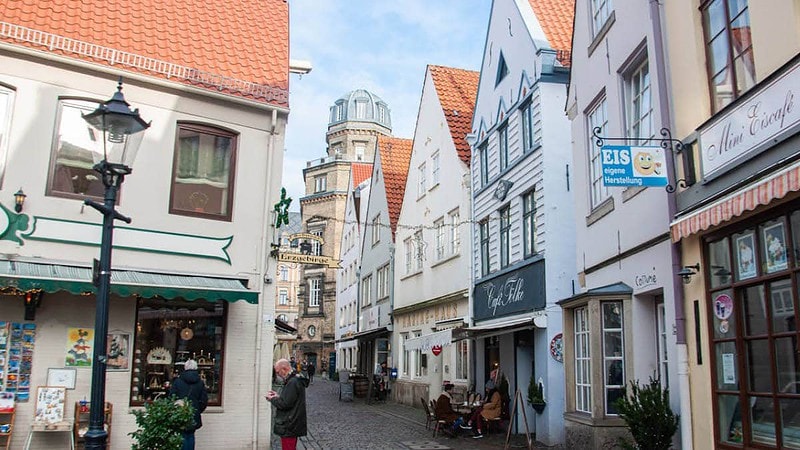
(189, 386)
(290, 405)
(312, 369)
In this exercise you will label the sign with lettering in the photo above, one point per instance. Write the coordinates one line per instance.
(747, 129)
(309, 259)
(522, 290)
(625, 165)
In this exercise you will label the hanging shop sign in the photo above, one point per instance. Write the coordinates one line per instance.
(436, 350)
(626, 165)
(518, 291)
(753, 125)
(309, 259)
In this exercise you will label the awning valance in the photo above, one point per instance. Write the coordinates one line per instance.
(365, 335)
(125, 283)
(750, 197)
(503, 327)
(424, 343)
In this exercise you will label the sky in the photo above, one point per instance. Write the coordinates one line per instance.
(382, 46)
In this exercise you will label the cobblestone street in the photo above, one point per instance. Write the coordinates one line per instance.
(359, 426)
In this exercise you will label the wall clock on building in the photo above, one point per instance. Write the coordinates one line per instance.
(312, 331)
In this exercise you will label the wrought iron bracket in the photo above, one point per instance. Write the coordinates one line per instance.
(666, 141)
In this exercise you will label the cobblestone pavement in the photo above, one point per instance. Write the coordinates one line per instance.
(335, 425)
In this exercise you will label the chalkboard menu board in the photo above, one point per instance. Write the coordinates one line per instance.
(346, 392)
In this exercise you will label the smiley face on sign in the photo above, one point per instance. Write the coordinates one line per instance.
(436, 349)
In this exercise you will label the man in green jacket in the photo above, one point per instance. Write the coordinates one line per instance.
(290, 405)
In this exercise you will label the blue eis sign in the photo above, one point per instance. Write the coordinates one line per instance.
(625, 165)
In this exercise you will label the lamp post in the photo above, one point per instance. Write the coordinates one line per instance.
(121, 130)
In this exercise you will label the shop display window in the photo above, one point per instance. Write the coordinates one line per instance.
(754, 315)
(169, 332)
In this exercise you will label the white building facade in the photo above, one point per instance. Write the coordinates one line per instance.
(626, 284)
(431, 293)
(523, 213)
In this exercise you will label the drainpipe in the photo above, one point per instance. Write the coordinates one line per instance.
(263, 263)
(675, 248)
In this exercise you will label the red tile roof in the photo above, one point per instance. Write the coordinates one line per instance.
(360, 172)
(240, 48)
(395, 157)
(457, 89)
(556, 18)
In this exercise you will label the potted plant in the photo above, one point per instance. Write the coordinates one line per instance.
(646, 411)
(536, 395)
(160, 424)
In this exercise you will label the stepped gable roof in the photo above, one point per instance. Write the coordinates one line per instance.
(238, 48)
(556, 18)
(361, 172)
(395, 157)
(457, 90)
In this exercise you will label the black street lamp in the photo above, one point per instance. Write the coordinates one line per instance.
(121, 130)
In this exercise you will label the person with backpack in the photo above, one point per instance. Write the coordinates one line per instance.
(189, 386)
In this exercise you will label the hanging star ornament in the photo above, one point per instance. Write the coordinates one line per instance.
(282, 209)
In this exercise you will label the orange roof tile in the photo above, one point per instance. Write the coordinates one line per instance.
(360, 172)
(556, 18)
(457, 89)
(240, 48)
(395, 157)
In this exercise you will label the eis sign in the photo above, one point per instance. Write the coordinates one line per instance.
(625, 165)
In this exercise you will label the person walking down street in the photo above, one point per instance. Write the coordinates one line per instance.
(290, 405)
(304, 368)
(444, 409)
(312, 369)
(190, 387)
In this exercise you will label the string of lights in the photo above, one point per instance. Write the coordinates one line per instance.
(402, 226)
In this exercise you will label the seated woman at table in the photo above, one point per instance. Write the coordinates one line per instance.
(444, 408)
(488, 411)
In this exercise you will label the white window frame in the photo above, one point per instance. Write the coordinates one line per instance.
(505, 236)
(529, 223)
(419, 252)
(483, 154)
(406, 361)
(583, 360)
(314, 292)
(639, 104)
(383, 282)
(6, 112)
(320, 183)
(366, 290)
(502, 146)
(409, 246)
(283, 297)
(284, 272)
(439, 229)
(597, 117)
(483, 235)
(376, 229)
(360, 150)
(526, 117)
(316, 247)
(455, 232)
(601, 11)
(422, 185)
(462, 359)
(612, 358)
(662, 338)
(435, 169)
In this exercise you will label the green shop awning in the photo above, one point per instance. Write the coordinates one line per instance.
(51, 278)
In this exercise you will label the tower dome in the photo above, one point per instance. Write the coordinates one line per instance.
(360, 105)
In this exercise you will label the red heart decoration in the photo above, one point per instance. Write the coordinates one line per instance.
(436, 349)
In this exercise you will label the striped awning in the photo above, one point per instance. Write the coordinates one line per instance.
(756, 194)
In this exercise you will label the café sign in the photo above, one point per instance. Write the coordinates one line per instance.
(522, 290)
(747, 129)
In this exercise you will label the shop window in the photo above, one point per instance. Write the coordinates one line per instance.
(753, 317)
(71, 173)
(598, 369)
(203, 172)
(168, 332)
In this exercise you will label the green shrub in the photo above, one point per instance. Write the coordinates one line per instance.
(647, 413)
(535, 391)
(160, 425)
